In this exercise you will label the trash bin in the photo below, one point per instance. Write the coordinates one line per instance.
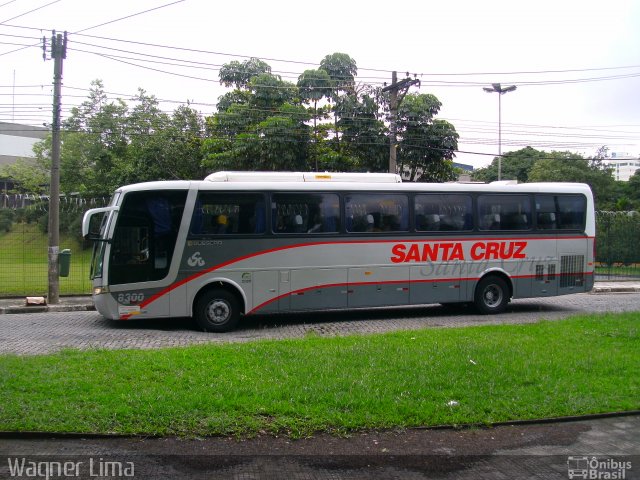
(64, 262)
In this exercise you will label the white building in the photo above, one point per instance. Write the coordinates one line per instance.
(623, 166)
(17, 141)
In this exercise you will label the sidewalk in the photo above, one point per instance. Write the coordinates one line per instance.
(84, 302)
(67, 304)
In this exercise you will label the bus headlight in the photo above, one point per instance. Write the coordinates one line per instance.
(100, 290)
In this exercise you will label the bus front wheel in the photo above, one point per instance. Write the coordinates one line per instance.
(492, 295)
(217, 311)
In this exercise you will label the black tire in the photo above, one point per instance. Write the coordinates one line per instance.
(492, 295)
(217, 311)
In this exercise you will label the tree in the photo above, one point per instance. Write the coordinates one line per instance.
(105, 144)
(30, 177)
(269, 93)
(240, 74)
(426, 146)
(342, 70)
(94, 144)
(572, 167)
(363, 131)
(313, 86)
(516, 165)
(279, 143)
(260, 127)
(631, 191)
(263, 124)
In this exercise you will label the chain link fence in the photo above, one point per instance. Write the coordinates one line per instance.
(617, 245)
(24, 244)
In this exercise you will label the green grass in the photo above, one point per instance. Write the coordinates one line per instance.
(582, 365)
(629, 270)
(24, 263)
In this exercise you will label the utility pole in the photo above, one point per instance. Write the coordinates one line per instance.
(397, 91)
(58, 54)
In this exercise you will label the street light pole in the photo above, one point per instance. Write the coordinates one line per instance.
(497, 88)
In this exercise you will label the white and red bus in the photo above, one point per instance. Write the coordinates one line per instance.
(240, 243)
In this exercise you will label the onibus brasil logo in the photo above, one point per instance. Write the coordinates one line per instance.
(597, 469)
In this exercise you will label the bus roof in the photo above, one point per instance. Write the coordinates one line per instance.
(303, 177)
(341, 182)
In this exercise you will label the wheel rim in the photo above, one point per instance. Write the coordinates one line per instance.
(492, 296)
(218, 311)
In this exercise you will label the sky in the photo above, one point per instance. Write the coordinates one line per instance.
(576, 64)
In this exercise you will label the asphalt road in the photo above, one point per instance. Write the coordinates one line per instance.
(39, 333)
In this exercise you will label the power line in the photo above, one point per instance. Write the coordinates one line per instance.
(430, 82)
(30, 11)
(90, 28)
(128, 16)
(423, 74)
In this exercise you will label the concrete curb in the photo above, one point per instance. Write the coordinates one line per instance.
(616, 289)
(47, 308)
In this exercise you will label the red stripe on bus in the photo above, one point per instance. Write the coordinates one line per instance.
(184, 281)
(390, 282)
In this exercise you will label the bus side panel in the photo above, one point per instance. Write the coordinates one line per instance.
(265, 289)
(591, 264)
(318, 288)
(436, 283)
(178, 302)
(378, 286)
(574, 258)
(543, 277)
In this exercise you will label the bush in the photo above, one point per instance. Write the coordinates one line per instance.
(7, 217)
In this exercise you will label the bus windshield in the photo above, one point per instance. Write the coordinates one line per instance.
(145, 235)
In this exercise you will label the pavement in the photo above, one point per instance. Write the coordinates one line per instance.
(84, 302)
(607, 447)
(587, 448)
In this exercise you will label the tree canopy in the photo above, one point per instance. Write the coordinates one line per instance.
(531, 165)
(324, 121)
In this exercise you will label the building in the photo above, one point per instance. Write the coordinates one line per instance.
(17, 141)
(467, 170)
(622, 166)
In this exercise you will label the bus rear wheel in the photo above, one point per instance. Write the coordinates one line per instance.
(217, 311)
(492, 295)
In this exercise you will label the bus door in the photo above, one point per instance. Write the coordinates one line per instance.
(141, 251)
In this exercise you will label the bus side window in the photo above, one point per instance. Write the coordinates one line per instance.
(377, 212)
(561, 212)
(308, 213)
(443, 212)
(504, 212)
